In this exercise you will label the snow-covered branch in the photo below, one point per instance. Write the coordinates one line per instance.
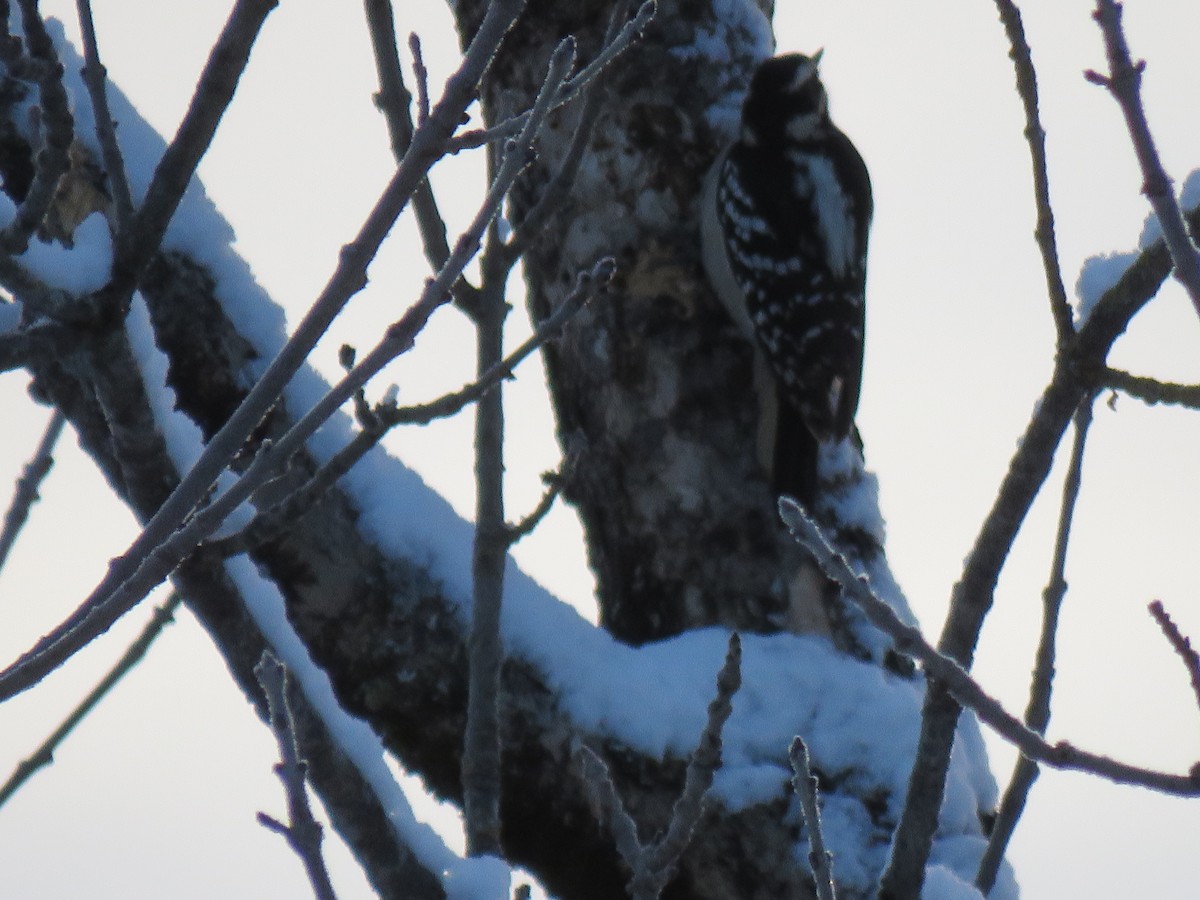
(159, 548)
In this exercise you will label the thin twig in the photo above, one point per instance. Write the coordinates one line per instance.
(57, 128)
(481, 768)
(1037, 712)
(1151, 390)
(606, 803)
(158, 549)
(525, 526)
(1124, 82)
(394, 102)
(95, 77)
(1044, 232)
(303, 832)
(973, 595)
(552, 202)
(805, 786)
(214, 92)
(26, 492)
(420, 76)
(44, 755)
(271, 522)
(965, 690)
(660, 858)
(653, 864)
(1180, 643)
(627, 35)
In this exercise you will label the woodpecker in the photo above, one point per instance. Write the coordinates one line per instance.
(785, 214)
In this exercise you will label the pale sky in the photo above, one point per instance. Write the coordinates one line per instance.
(156, 795)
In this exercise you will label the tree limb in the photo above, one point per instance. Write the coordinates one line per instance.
(1151, 390)
(26, 491)
(1044, 232)
(953, 678)
(804, 783)
(1037, 713)
(95, 77)
(1124, 82)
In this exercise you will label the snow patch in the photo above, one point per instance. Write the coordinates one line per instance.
(1097, 275)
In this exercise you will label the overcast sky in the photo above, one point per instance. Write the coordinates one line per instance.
(156, 795)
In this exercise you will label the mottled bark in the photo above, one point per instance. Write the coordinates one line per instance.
(652, 388)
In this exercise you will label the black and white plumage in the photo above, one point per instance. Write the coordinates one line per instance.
(785, 215)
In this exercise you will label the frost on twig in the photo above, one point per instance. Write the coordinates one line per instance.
(302, 832)
(804, 783)
(653, 864)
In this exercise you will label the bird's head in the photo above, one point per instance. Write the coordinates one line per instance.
(786, 100)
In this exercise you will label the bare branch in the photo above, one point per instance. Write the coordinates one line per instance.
(270, 522)
(1151, 390)
(394, 101)
(966, 691)
(1074, 378)
(1124, 82)
(1044, 232)
(652, 865)
(517, 530)
(553, 200)
(625, 37)
(159, 547)
(303, 832)
(607, 805)
(804, 783)
(481, 769)
(95, 77)
(421, 76)
(1037, 713)
(44, 755)
(26, 492)
(57, 129)
(214, 92)
(659, 859)
(1180, 643)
